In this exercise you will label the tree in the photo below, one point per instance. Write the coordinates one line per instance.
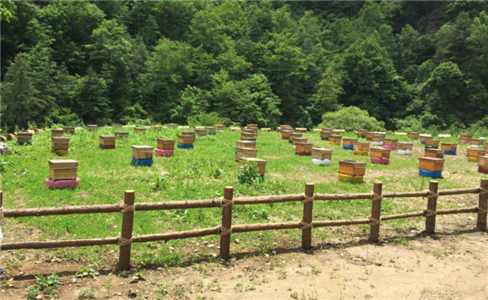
(327, 95)
(350, 119)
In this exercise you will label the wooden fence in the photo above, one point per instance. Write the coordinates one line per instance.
(226, 228)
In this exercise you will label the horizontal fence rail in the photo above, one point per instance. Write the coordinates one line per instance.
(225, 229)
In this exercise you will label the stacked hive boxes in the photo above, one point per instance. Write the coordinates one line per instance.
(321, 156)
(361, 148)
(325, 134)
(24, 138)
(483, 164)
(431, 167)
(335, 140)
(107, 141)
(165, 147)
(292, 136)
(246, 144)
(350, 170)
(390, 144)
(361, 133)
(60, 145)
(378, 139)
(219, 127)
(62, 174)
(348, 143)
(431, 143)
(380, 156)
(465, 138)
(424, 138)
(211, 130)
(242, 153)
(91, 127)
(449, 148)
(405, 148)
(477, 143)
(185, 140)
(142, 155)
(430, 152)
(474, 153)
(303, 148)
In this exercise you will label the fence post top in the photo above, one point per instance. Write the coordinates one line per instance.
(434, 181)
(129, 191)
(229, 187)
(310, 183)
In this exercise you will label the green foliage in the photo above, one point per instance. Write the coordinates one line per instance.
(248, 174)
(207, 119)
(86, 294)
(7, 9)
(45, 286)
(350, 119)
(87, 272)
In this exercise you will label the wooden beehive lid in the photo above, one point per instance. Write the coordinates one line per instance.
(431, 159)
(305, 144)
(107, 137)
(68, 127)
(218, 125)
(391, 140)
(92, 126)
(156, 126)
(300, 139)
(210, 127)
(450, 144)
(400, 133)
(465, 136)
(336, 136)
(63, 164)
(247, 142)
(24, 134)
(361, 143)
(425, 135)
(192, 133)
(432, 142)
(256, 160)
(140, 128)
(184, 127)
(166, 140)
(477, 141)
(352, 140)
(354, 164)
(265, 129)
(301, 129)
(322, 150)
(60, 139)
(478, 151)
(57, 130)
(326, 129)
(338, 130)
(443, 135)
(143, 148)
(373, 149)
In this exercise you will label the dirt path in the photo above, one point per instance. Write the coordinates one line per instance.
(452, 266)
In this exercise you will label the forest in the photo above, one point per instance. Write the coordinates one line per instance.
(409, 65)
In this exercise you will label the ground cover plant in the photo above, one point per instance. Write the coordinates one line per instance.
(202, 173)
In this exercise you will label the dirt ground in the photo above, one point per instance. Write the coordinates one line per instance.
(452, 265)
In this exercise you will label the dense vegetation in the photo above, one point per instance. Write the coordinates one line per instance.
(409, 64)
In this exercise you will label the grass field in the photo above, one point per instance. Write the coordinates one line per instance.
(202, 173)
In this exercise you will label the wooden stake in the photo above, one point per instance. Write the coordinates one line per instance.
(431, 208)
(376, 212)
(307, 217)
(226, 222)
(127, 225)
(482, 205)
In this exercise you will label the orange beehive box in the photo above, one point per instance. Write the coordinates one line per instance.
(348, 141)
(431, 164)
(60, 143)
(350, 167)
(62, 169)
(361, 146)
(369, 136)
(246, 144)
(475, 152)
(219, 127)
(432, 143)
(246, 135)
(391, 142)
(142, 152)
(325, 133)
(448, 146)
(439, 153)
(246, 152)
(303, 147)
(261, 164)
(379, 152)
(405, 146)
(362, 131)
(293, 135)
(478, 142)
(166, 144)
(378, 137)
(321, 153)
(285, 133)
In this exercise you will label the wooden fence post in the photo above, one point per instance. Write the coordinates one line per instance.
(482, 205)
(375, 218)
(226, 227)
(430, 212)
(125, 239)
(307, 216)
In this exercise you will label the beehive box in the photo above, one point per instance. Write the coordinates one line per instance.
(234, 128)
(425, 137)
(57, 132)
(172, 125)
(325, 133)
(62, 169)
(261, 164)
(293, 135)
(299, 140)
(431, 164)
(91, 127)
(475, 152)
(390, 142)
(336, 139)
(477, 142)
(483, 161)
(247, 135)
(24, 137)
(60, 143)
(166, 144)
(191, 133)
(465, 137)
(338, 130)
(362, 132)
(156, 127)
(201, 131)
(246, 144)
(252, 125)
(369, 136)
(246, 152)
(266, 129)
(139, 129)
(405, 146)
(285, 133)
(142, 152)
(378, 137)
(10, 137)
(303, 147)
(413, 135)
(121, 134)
(186, 139)
(321, 153)
(379, 152)
(348, 141)
(211, 129)
(432, 143)
(438, 153)
(449, 146)
(286, 127)
(107, 140)
(301, 129)
(361, 146)
(219, 127)
(69, 129)
(350, 167)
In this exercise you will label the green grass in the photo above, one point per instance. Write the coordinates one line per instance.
(202, 173)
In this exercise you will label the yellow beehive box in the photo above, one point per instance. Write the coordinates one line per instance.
(69, 129)
(246, 144)
(261, 164)
(303, 147)
(166, 144)
(121, 134)
(321, 153)
(379, 152)
(431, 164)
(413, 135)
(449, 146)
(438, 153)
(62, 169)
(156, 127)
(361, 146)
(139, 129)
(335, 139)
(483, 161)
(475, 152)
(246, 152)
(299, 140)
(405, 146)
(107, 140)
(142, 152)
(348, 141)
(390, 142)
(186, 139)
(24, 137)
(91, 127)
(350, 167)
(60, 143)
(432, 143)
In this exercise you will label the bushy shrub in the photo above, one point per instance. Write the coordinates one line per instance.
(351, 118)
(207, 119)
